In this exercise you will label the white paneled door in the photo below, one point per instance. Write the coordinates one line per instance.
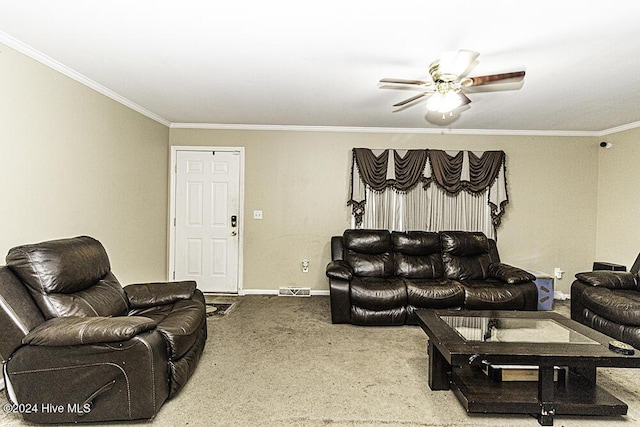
(207, 219)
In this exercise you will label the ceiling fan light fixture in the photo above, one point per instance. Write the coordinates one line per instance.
(444, 101)
(446, 90)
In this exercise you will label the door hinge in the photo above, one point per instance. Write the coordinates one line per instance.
(174, 222)
(174, 275)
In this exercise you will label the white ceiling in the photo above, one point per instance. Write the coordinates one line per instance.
(299, 63)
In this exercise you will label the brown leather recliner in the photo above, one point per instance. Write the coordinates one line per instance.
(609, 302)
(78, 347)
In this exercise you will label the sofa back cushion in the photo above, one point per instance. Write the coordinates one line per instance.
(466, 255)
(69, 277)
(368, 252)
(417, 255)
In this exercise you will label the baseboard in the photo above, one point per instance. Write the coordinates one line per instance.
(314, 292)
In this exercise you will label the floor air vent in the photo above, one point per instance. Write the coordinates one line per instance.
(294, 292)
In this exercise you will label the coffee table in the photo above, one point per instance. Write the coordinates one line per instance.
(463, 345)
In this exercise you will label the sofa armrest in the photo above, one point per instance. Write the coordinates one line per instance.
(64, 331)
(145, 295)
(510, 274)
(339, 270)
(609, 279)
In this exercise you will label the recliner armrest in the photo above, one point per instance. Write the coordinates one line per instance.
(143, 295)
(339, 270)
(609, 279)
(510, 274)
(64, 331)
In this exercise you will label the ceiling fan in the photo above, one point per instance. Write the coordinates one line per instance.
(449, 80)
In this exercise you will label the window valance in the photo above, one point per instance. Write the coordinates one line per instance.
(475, 172)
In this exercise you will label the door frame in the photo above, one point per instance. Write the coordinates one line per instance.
(172, 206)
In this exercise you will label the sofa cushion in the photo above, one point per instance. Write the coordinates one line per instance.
(510, 274)
(465, 255)
(60, 266)
(141, 295)
(367, 241)
(179, 323)
(416, 242)
(62, 331)
(370, 265)
(609, 279)
(434, 294)
(417, 255)
(69, 277)
(105, 298)
(621, 306)
(378, 294)
(390, 317)
(368, 252)
(492, 295)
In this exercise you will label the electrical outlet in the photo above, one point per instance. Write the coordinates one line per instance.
(305, 265)
(257, 214)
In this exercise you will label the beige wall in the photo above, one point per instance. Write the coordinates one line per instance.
(618, 236)
(76, 162)
(300, 180)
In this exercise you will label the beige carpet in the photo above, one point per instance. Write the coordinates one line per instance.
(278, 361)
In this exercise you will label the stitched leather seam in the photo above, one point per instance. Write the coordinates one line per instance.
(88, 304)
(84, 328)
(119, 348)
(43, 293)
(13, 315)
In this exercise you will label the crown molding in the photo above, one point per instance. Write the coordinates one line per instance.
(618, 129)
(61, 68)
(436, 131)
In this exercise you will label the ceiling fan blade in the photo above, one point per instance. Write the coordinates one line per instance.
(465, 99)
(405, 82)
(456, 63)
(492, 78)
(408, 100)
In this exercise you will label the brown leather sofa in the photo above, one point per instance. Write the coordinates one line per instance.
(609, 302)
(78, 347)
(377, 277)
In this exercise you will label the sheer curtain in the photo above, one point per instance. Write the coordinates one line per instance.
(428, 190)
(430, 209)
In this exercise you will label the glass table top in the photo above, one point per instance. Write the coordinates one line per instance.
(513, 330)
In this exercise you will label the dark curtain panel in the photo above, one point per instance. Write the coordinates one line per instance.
(483, 170)
(407, 171)
(373, 169)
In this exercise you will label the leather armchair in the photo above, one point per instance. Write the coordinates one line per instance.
(73, 339)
